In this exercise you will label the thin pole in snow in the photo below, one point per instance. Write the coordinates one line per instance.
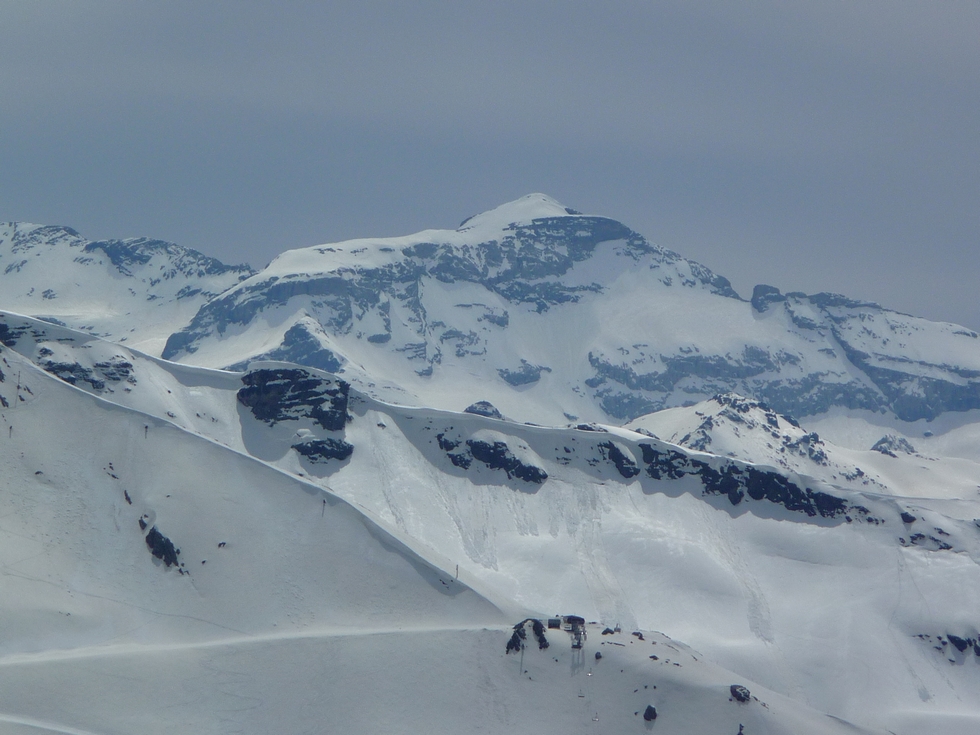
(457, 571)
(323, 509)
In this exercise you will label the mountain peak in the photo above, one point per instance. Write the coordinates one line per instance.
(527, 208)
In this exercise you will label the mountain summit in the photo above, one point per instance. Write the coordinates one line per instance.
(550, 313)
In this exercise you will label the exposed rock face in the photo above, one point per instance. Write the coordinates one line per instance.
(624, 462)
(891, 445)
(162, 548)
(283, 394)
(751, 431)
(928, 541)
(736, 481)
(497, 456)
(483, 408)
(763, 296)
(114, 370)
(53, 349)
(966, 643)
(740, 693)
(322, 450)
(301, 346)
(829, 331)
(525, 374)
(524, 265)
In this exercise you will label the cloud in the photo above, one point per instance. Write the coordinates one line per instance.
(807, 143)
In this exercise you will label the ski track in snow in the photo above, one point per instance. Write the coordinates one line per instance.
(603, 585)
(32, 725)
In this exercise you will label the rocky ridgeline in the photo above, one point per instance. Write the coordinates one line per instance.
(501, 446)
(51, 349)
(275, 395)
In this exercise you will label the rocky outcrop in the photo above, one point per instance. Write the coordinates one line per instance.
(740, 693)
(891, 445)
(483, 408)
(161, 547)
(736, 480)
(114, 370)
(323, 450)
(287, 394)
(524, 375)
(300, 346)
(624, 462)
(497, 456)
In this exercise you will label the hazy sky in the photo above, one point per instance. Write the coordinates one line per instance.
(815, 146)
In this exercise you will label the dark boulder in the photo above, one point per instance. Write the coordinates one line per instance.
(322, 450)
(650, 713)
(161, 547)
(740, 693)
(960, 643)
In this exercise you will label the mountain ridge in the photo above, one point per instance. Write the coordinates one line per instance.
(443, 301)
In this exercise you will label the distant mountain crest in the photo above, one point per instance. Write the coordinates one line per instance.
(108, 287)
(544, 311)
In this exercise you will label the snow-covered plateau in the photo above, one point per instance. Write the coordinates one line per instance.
(534, 475)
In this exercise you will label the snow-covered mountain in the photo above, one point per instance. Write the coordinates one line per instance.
(616, 525)
(551, 312)
(422, 456)
(732, 426)
(147, 592)
(137, 290)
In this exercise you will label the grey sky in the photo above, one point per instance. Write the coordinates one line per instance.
(810, 145)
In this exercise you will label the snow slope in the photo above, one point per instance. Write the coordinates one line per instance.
(436, 681)
(285, 609)
(802, 592)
